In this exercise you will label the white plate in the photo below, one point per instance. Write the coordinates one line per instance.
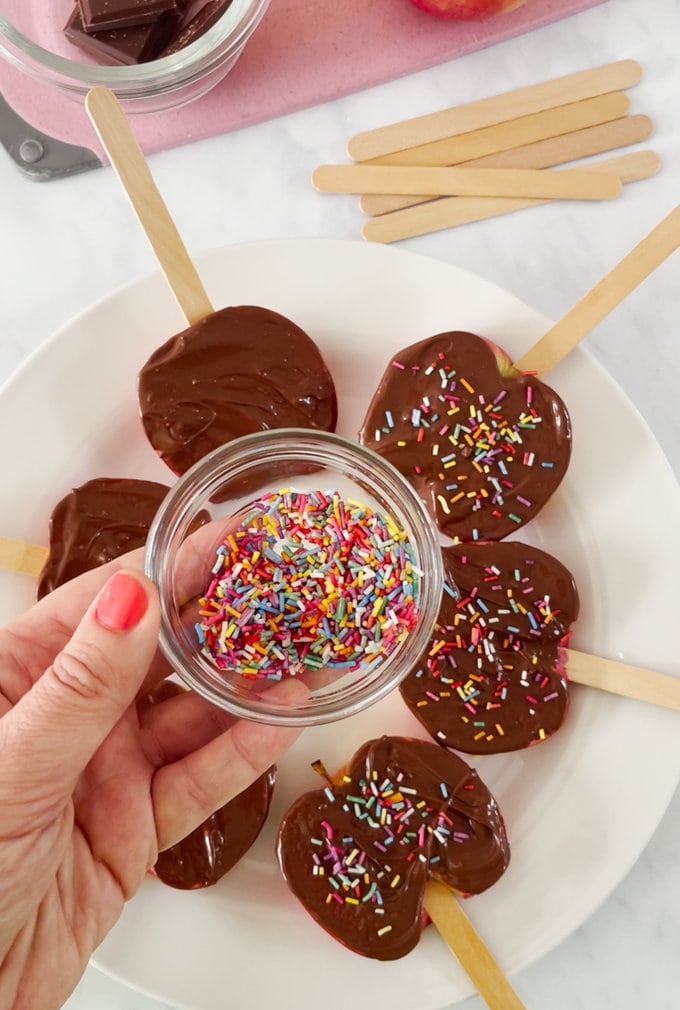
(579, 808)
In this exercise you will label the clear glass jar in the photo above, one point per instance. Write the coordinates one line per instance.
(32, 39)
(180, 558)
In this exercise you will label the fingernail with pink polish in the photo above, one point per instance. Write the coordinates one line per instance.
(122, 604)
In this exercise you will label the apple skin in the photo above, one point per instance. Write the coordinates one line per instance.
(467, 10)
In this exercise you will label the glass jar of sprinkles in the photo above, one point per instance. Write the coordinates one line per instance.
(300, 577)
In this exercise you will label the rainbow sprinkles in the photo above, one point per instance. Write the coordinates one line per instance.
(308, 581)
(484, 445)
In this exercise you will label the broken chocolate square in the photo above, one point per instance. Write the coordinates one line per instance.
(206, 17)
(100, 15)
(136, 44)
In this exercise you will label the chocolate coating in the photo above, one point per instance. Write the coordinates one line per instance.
(239, 370)
(197, 25)
(358, 856)
(484, 448)
(216, 845)
(95, 523)
(492, 678)
(102, 14)
(127, 46)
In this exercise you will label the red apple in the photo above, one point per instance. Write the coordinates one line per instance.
(467, 10)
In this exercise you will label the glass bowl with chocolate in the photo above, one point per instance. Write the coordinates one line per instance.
(311, 586)
(153, 54)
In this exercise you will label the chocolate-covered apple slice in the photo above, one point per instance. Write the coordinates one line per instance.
(493, 678)
(484, 440)
(238, 370)
(358, 854)
(233, 371)
(217, 845)
(484, 445)
(95, 523)
(213, 848)
(372, 905)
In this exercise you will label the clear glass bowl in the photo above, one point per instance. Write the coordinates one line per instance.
(180, 557)
(32, 39)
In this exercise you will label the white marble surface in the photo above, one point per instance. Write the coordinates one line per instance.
(65, 244)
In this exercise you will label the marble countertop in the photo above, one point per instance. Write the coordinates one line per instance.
(254, 184)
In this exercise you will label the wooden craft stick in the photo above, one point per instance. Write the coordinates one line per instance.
(131, 168)
(604, 296)
(452, 211)
(447, 914)
(497, 109)
(17, 556)
(620, 678)
(515, 133)
(548, 153)
(567, 184)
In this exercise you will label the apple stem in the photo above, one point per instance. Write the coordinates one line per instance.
(320, 768)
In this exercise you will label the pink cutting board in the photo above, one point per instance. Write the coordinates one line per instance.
(303, 53)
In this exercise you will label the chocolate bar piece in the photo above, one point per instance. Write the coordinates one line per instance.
(99, 15)
(136, 44)
(206, 17)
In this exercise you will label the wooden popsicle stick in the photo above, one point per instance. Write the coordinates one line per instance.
(497, 109)
(131, 168)
(567, 184)
(514, 133)
(621, 678)
(640, 262)
(547, 153)
(17, 556)
(461, 937)
(452, 211)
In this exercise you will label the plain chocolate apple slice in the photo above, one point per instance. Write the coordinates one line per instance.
(217, 845)
(95, 523)
(213, 848)
(232, 372)
(239, 370)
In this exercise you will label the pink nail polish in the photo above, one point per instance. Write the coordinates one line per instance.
(122, 604)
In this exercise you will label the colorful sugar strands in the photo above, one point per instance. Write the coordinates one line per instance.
(308, 581)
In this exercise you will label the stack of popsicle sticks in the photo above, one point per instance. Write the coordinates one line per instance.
(497, 155)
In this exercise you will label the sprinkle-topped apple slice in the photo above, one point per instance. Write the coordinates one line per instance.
(493, 678)
(485, 445)
(358, 854)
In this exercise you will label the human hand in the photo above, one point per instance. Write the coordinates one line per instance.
(90, 790)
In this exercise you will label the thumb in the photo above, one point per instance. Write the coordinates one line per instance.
(57, 726)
